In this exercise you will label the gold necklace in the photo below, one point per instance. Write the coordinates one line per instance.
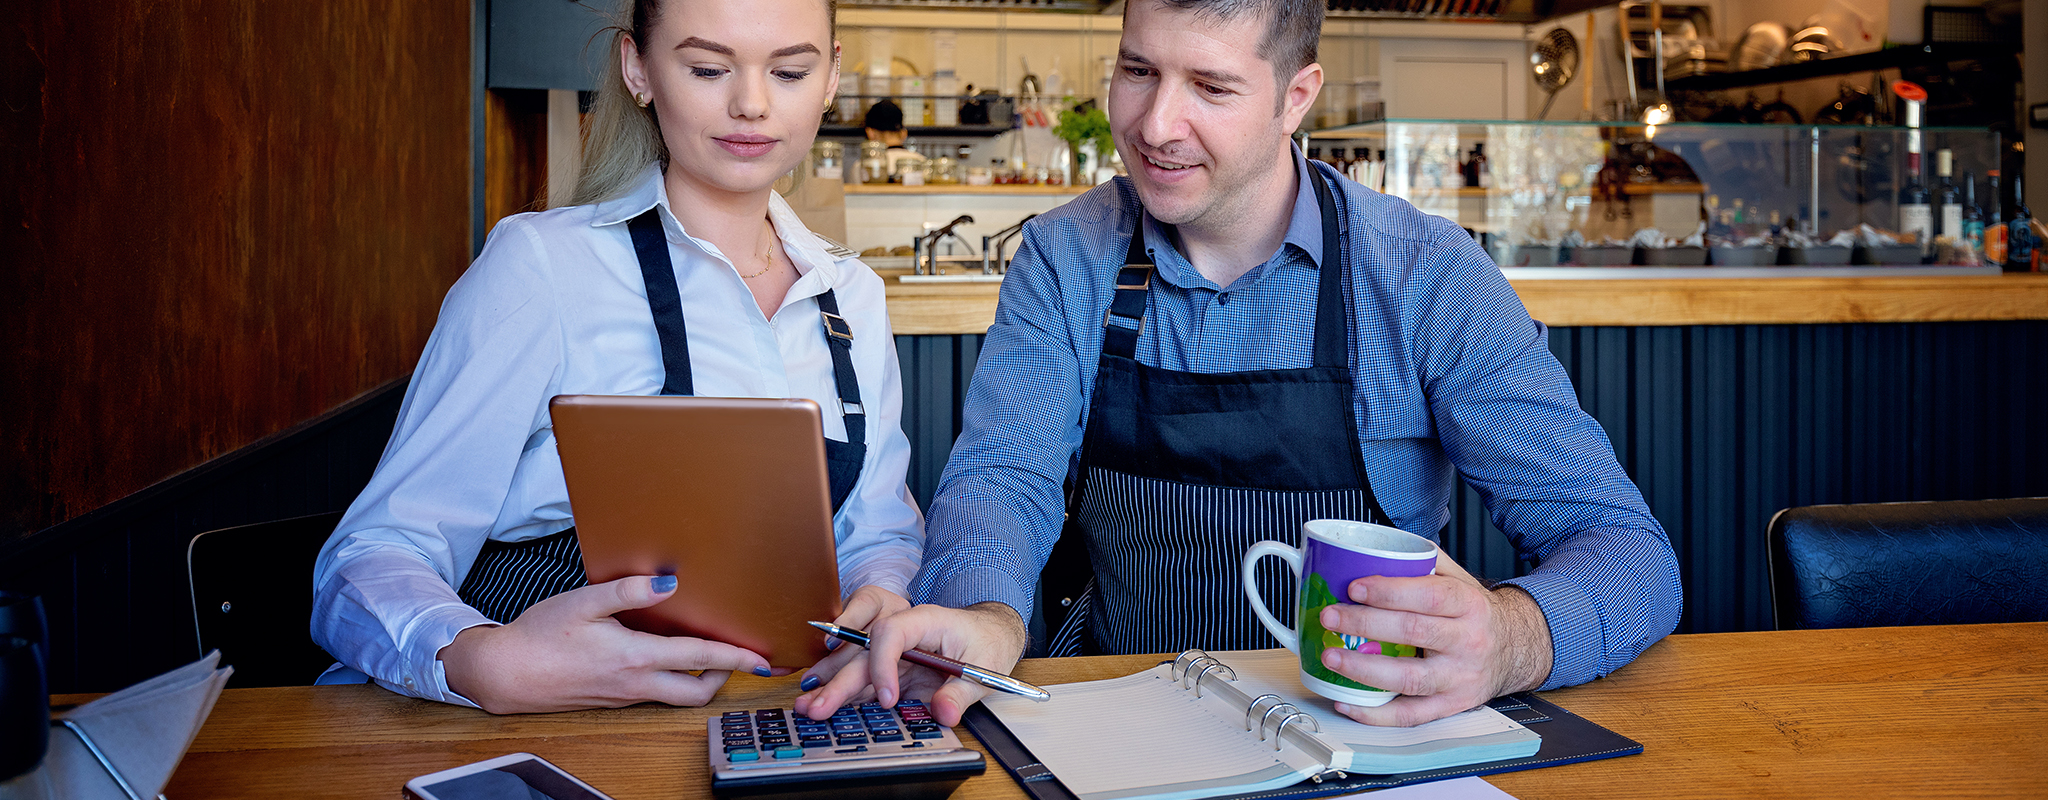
(767, 255)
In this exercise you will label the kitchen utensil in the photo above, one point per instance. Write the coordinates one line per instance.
(1555, 61)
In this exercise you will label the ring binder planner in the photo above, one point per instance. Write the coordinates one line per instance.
(1241, 725)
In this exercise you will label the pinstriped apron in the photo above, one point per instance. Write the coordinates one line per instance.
(1180, 472)
(510, 576)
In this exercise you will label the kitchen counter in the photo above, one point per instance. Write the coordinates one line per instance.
(969, 308)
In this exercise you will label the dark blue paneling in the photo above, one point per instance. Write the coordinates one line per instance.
(1721, 427)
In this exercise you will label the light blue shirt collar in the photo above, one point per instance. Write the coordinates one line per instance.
(1304, 231)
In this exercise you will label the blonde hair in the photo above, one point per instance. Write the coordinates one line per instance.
(624, 137)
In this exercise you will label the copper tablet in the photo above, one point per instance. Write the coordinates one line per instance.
(730, 495)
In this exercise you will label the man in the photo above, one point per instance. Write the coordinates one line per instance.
(884, 123)
(1287, 346)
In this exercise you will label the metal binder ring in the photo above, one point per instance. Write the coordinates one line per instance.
(1190, 672)
(1179, 667)
(1316, 726)
(1205, 673)
(1289, 708)
(1254, 707)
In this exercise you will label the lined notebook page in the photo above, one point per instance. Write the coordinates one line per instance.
(1141, 736)
(1278, 672)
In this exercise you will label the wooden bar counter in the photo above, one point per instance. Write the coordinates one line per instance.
(969, 308)
(1952, 711)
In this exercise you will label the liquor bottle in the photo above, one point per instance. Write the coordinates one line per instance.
(1476, 170)
(1916, 217)
(1973, 217)
(1948, 201)
(1994, 224)
(2019, 234)
(1315, 154)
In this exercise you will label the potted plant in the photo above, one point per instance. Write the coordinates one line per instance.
(1086, 130)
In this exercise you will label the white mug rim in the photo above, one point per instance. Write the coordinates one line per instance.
(1426, 549)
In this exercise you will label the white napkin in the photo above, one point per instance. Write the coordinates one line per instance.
(143, 729)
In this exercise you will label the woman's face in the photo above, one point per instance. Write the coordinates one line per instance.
(739, 87)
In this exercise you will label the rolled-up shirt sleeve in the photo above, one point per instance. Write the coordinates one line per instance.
(383, 587)
(999, 504)
(1508, 418)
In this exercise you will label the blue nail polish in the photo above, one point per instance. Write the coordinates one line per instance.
(809, 682)
(761, 671)
(832, 643)
(664, 583)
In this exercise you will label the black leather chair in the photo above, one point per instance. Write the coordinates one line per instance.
(1888, 564)
(252, 598)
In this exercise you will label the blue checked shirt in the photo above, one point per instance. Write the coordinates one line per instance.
(1451, 373)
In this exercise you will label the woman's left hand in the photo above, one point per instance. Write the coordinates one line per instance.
(868, 604)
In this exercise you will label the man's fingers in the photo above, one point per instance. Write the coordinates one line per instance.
(1405, 675)
(1383, 625)
(952, 700)
(1434, 595)
(1406, 712)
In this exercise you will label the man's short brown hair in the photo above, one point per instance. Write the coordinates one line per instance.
(1293, 29)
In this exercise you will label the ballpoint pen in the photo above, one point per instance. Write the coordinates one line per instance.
(986, 677)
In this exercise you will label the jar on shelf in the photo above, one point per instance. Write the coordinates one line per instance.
(826, 160)
(874, 162)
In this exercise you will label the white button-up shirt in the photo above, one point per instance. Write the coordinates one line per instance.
(554, 305)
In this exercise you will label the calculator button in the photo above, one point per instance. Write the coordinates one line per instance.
(774, 741)
(734, 715)
(852, 740)
(789, 752)
(738, 740)
(920, 726)
(927, 734)
(739, 748)
(888, 736)
(845, 728)
(816, 741)
(748, 754)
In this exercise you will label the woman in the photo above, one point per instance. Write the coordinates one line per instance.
(707, 104)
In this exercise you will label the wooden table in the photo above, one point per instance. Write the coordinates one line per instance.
(1887, 712)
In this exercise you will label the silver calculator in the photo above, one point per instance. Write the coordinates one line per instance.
(777, 749)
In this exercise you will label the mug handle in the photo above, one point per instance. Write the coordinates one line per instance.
(1288, 637)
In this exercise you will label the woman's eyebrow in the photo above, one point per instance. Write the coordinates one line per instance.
(706, 44)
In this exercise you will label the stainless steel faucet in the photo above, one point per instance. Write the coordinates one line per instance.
(924, 252)
(992, 261)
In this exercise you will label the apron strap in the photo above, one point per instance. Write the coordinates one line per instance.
(1331, 344)
(664, 300)
(839, 339)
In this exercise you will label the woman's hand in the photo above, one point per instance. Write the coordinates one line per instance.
(868, 605)
(566, 653)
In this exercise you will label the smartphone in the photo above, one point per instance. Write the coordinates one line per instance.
(519, 776)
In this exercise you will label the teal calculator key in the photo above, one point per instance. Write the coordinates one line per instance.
(746, 754)
(789, 752)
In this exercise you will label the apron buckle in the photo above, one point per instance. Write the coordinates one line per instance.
(836, 326)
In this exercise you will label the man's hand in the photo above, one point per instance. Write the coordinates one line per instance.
(985, 635)
(868, 604)
(1475, 644)
(567, 652)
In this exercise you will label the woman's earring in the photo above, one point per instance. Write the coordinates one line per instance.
(640, 99)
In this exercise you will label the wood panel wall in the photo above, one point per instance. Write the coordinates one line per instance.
(221, 218)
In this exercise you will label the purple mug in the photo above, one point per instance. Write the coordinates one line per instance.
(1334, 553)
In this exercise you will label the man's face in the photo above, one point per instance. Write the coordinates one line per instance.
(1199, 116)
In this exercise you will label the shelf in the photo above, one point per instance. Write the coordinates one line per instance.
(1892, 58)
(1013, 189)
(856, 132)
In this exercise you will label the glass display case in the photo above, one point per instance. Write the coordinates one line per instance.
(1543, 194)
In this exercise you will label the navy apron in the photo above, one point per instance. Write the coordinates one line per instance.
(510, 576)
(1180, 472)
